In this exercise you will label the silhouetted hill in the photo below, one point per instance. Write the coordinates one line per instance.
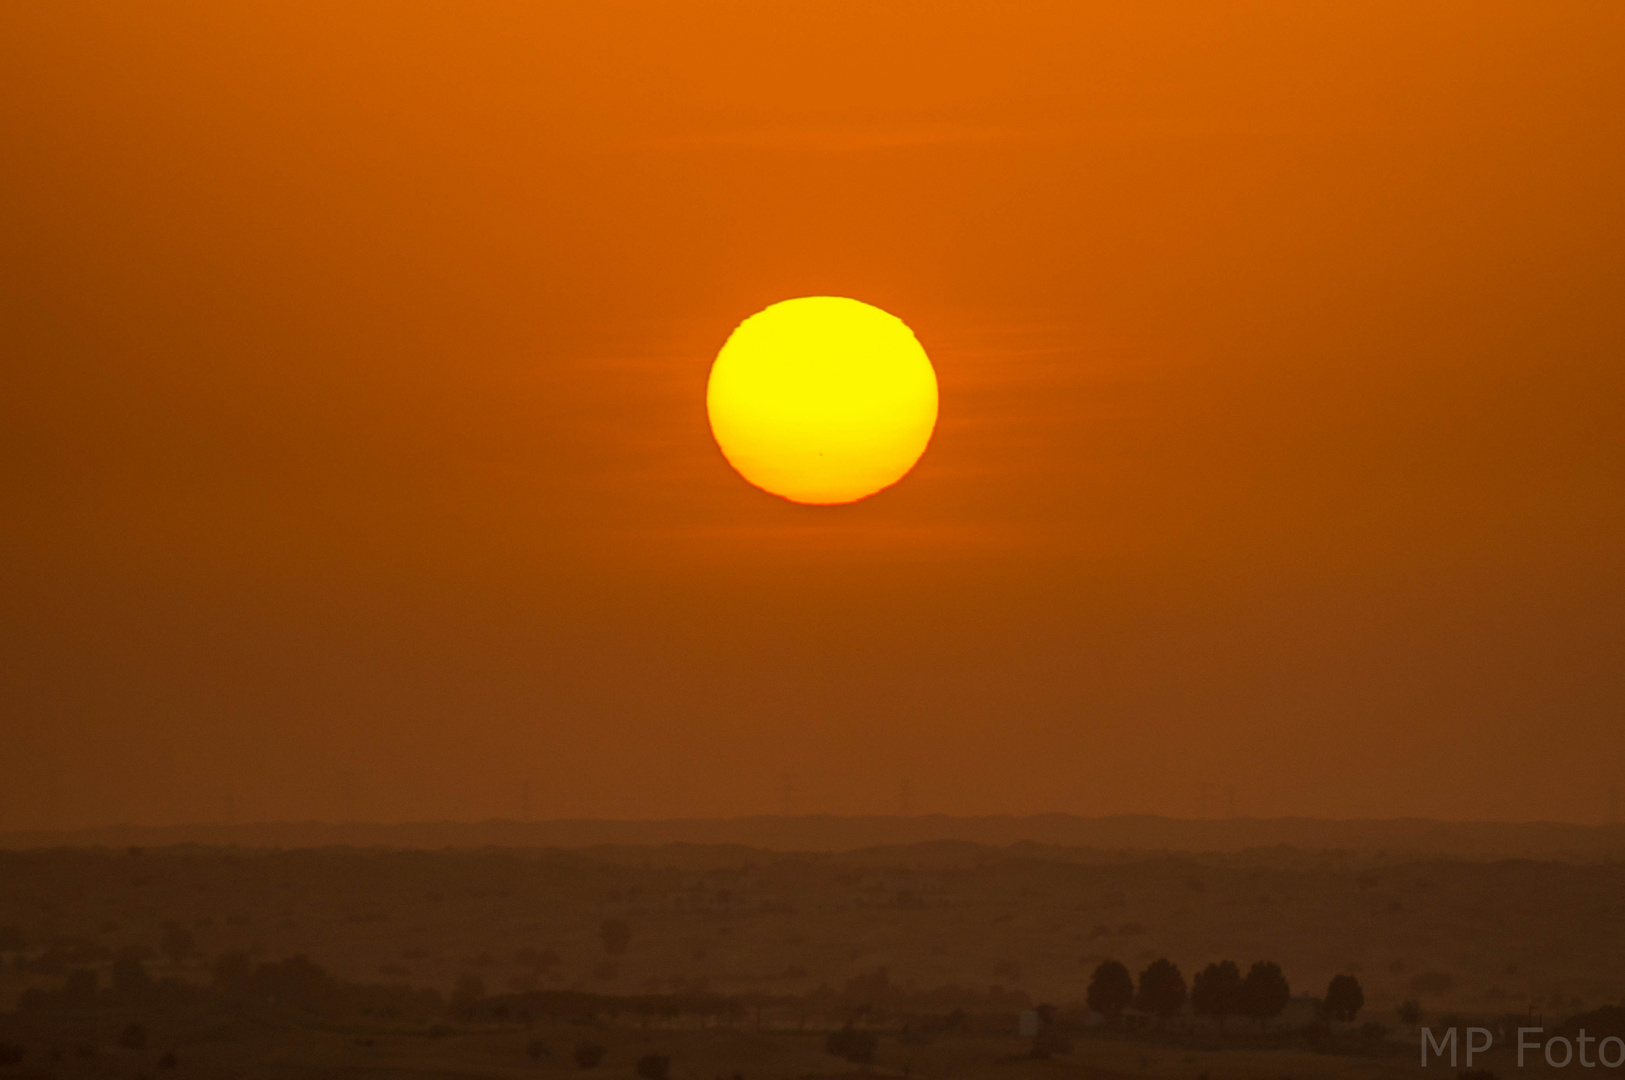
(829, 833)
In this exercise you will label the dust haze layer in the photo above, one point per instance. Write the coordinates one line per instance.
(1393, 839)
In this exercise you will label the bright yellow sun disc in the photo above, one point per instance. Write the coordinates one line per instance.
(822, 399)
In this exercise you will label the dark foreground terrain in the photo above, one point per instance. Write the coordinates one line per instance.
(700, 961)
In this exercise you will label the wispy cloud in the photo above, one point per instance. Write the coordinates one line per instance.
(840, 139)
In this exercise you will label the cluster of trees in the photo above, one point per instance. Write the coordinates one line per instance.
(1219, 992)
(82, 989)
(298, 982)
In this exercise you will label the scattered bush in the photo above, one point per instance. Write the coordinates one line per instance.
(654, 1067)
(168, 1061)
(133, 1037)
(536, 1048)
(588, 1054)
(1049, 1041)
(10, 1053)
(850, 1044)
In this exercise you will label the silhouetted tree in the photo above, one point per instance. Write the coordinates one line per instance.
(588, 1054)
(176, 943)
(616, 935)
(1264, 992)
(1162, 990)
(1216, 991)
(850, 1044)
(1409, 1012)
(1110, 990)
(1344, 998)
(654, 1067)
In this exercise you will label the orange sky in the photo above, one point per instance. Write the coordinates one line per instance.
(355, 462)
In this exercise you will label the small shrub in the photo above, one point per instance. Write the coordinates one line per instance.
(168, 1061)
(133, 1037)
(588, 1054)
(536, 1048)
(850, 1044)
(1049, 1042)
(10, 1053)
(654, 1067)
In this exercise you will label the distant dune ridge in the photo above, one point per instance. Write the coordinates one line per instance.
(830, 833)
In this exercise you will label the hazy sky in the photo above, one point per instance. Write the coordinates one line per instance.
(354, 459)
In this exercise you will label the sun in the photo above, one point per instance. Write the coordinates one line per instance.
(822, 399)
